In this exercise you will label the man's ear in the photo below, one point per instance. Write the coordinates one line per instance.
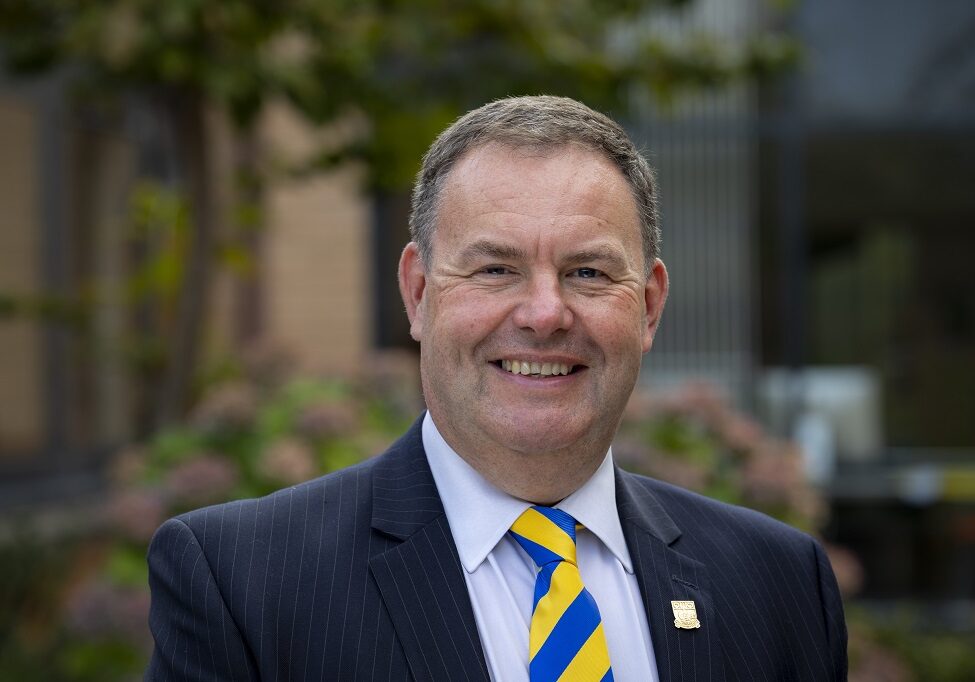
(655, 296)
(412, 284)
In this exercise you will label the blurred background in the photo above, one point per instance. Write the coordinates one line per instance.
(202, 205)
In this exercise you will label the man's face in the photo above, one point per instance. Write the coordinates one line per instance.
(533, 312)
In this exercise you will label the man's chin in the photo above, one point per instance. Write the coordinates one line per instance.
(537, 438)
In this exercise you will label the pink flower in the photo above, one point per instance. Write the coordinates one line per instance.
(740, 433)
(202, 479)
(136, 513)
(326, 419)
(231, 406)
(678, 471)
(642, 406)
(700, 400)
(128, 465)
(99, 610)
(288, 461)
(847, 568)
(769, 474)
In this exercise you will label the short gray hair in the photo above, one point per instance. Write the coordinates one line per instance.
(540, 123)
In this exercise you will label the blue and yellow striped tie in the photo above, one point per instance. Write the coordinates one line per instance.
(566, 640)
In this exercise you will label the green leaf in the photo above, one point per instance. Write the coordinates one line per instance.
(127, 566)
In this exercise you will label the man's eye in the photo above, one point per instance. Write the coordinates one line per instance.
(496, 270)
(587, 273)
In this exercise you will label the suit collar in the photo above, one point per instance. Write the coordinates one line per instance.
(405, 498)
(640, 508)
(422, 582)
(665, 575)
(480, 514)
(420, 577)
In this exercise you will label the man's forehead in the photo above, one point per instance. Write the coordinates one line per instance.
(490, 205)
(485, 174)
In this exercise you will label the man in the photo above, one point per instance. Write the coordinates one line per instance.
(496, 539)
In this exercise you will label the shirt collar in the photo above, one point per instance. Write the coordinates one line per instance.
(480, 514)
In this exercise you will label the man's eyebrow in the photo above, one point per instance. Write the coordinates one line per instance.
(598, 254)
(484, 248)
(491, 250)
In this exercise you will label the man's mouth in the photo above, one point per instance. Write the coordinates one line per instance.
(531, 368)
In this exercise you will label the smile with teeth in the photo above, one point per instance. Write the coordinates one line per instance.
(544, 369)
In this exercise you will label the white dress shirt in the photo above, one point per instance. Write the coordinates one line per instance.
(501, 576)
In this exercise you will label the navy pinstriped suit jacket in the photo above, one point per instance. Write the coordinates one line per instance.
(355, 576)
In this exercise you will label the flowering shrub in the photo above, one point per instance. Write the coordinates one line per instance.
(260, 429)
(693, 438)
(251, 433)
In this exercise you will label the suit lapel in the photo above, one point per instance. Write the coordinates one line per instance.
(665, 575)
(421, 579)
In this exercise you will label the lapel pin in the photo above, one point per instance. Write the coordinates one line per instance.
(685, 615)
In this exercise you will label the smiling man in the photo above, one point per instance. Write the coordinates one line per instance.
(497, 539)
(533, 302)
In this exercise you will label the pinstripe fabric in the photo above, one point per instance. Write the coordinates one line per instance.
(767, 600)
(340, 578)
(355, 576)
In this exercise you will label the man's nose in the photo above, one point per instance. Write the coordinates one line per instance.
(543, 308)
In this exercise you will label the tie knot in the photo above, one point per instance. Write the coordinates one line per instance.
(547, 535)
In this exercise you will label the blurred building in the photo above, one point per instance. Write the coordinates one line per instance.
(818, 234)
(68, 247)
(867, 223)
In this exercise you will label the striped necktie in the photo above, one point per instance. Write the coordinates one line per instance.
(566, 640)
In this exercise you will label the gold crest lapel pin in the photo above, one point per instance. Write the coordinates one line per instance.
(685, 615)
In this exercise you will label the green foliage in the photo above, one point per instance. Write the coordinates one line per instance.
(411, 67)
(110, 660)
(256, 429)
(126, 566)
(946, 657)
(222, 49)
(392, 72)
(405, 67)
(933, 656)
(891, 646)
(35, 570)
(158, 217)
(251, 439)
(70, 311)
(73, 612)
